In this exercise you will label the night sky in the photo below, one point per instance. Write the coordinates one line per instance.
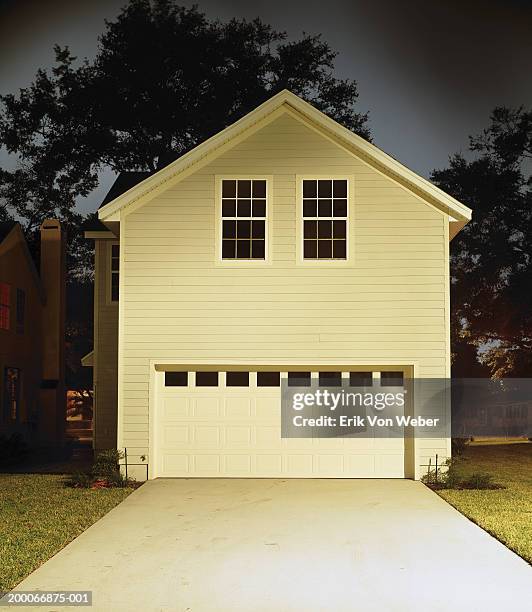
(429, 73)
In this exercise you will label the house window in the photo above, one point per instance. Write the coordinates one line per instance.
(244, 219)
(325, 214)
(11, 394)
(21, 310)
(5, 305)
(115, 271)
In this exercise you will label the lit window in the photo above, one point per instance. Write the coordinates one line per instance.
(5, 305)
(325, 213)
(244, 219)
(115, 271)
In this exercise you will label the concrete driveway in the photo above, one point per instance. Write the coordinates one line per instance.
(287, 545)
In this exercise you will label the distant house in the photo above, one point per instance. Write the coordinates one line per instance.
(32, 335)
(284, 247)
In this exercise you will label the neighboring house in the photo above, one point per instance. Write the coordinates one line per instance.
(283, 244)
(32, 332)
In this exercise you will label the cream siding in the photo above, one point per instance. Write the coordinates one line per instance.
(105, 366)
(389, 302)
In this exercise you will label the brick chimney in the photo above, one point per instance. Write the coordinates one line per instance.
(52, 411)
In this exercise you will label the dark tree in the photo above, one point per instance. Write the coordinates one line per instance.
(491, 258)
(164, 79)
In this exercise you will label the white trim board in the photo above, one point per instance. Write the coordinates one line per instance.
(285, 101)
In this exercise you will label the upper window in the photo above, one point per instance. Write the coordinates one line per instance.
(325, 213)
(115, 271)
(244, 219)
(5, 305)
(21, 310)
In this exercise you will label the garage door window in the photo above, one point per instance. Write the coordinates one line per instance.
(330, 379)
(299, 379)
(175, 379)
(206, 379)
(237, 379)
(360, 379)
(268, 379)
(391, 379)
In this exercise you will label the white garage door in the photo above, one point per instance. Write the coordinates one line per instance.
(209, 424)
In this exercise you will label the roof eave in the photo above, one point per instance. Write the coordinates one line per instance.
(110, 213)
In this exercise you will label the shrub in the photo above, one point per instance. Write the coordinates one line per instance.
(107, 464)
(449, 478)
(105, 473)
(479, 480)
(458, 445)
(13, 449)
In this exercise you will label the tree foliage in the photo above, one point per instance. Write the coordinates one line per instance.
(491, 258)
(164, 79)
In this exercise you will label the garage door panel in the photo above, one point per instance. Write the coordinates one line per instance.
(176, 408)
(361, 464)
(238, 465)
(268, 464)
(298, 464)
(207, 465)
(207, 436)
(176, 435)
(268, 408)
(176, 464)
(235, 432)
(389, 466)
(238, 437)
(329, 464)
(206, 408)
(237, 408)
(268, 437)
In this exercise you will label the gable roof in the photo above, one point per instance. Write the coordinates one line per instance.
(382, 162)
(14, 229)
(123, 182)
(5, 229)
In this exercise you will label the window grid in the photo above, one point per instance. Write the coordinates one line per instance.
(115, 272)
(5, 305)
(325, 211)
(244, 215)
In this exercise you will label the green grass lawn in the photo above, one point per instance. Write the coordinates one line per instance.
(505, 513)
(39, 516)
